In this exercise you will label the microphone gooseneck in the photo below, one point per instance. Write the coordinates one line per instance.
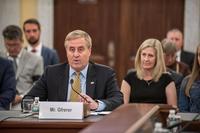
(196, 117)
(71, 82)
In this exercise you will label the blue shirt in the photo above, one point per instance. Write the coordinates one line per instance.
(192, 103)
(83, 76)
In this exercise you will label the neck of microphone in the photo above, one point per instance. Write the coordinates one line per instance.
(196, 117)
(71, 82)
(175, 125)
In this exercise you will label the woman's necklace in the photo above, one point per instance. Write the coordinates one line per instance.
(148, 82)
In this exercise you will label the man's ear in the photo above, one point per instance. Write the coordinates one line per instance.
(90, 50)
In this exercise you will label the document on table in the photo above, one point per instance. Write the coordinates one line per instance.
(189, 116)
(12, 114)
(100, 113)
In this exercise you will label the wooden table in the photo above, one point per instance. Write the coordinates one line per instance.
(127, 118)
(136, 118)
(34, 125)
(130, 118)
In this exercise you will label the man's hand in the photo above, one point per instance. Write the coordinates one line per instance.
(92, 103)
(17, 99)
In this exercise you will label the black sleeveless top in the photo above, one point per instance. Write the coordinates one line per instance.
(148, 91)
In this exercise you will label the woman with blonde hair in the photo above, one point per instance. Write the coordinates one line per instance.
(149, 83)
(189, 98)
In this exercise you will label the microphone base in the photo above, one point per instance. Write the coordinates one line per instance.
(86, 110)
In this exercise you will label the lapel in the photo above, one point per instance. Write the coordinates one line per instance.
(182, 56)
(44, 53)
(63, 83)
(21, 63)
(91, 80)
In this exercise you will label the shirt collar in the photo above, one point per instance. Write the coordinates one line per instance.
(178, 52)
(83, 72)
(38, 48)
(18, 56)
(178, 55)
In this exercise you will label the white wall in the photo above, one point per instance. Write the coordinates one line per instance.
(9, 14)
(192, 25)
(46, 18)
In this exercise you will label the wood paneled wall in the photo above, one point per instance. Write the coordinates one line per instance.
(124, 24)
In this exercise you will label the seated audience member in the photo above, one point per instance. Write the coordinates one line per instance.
(28, 67)
(7, 83)
(176, 36)
(97, 83)
(170, 58)
(169, 49)
(32, 31)
(189, 98)
(149, 83)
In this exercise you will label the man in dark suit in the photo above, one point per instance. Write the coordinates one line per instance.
(32, 33)
(97, 82)
(7, 83)
(176, 36)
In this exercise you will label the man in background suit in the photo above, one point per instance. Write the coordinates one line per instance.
(176, 36)
(98, 82)
(28, 67)
(7, 83)
(169, 49)
(32, 33)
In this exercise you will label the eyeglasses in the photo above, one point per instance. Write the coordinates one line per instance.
(13, 46)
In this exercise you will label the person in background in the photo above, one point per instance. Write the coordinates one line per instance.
(189, 98)
(169, 49)
(176, 37)
(170, 58)
(32, 31)
(149, 83)
(97, 83)
(7, 84)
(28, 67)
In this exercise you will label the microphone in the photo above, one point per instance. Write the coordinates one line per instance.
(175, 125)
(182, 122)
(71, 82)
(196, 117)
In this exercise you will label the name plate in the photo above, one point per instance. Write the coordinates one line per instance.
(61, 110)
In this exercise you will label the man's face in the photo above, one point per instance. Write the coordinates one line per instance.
(13, 46)
(32, 33)
(78, 53)
(170, 59)
(177, 38)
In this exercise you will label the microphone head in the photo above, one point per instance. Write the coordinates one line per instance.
(71, 81)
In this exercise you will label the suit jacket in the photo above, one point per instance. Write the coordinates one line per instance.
(30, 67)
(183, 68)
(50, 56)
(7, 83)
(187, 58)
(101, 84)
